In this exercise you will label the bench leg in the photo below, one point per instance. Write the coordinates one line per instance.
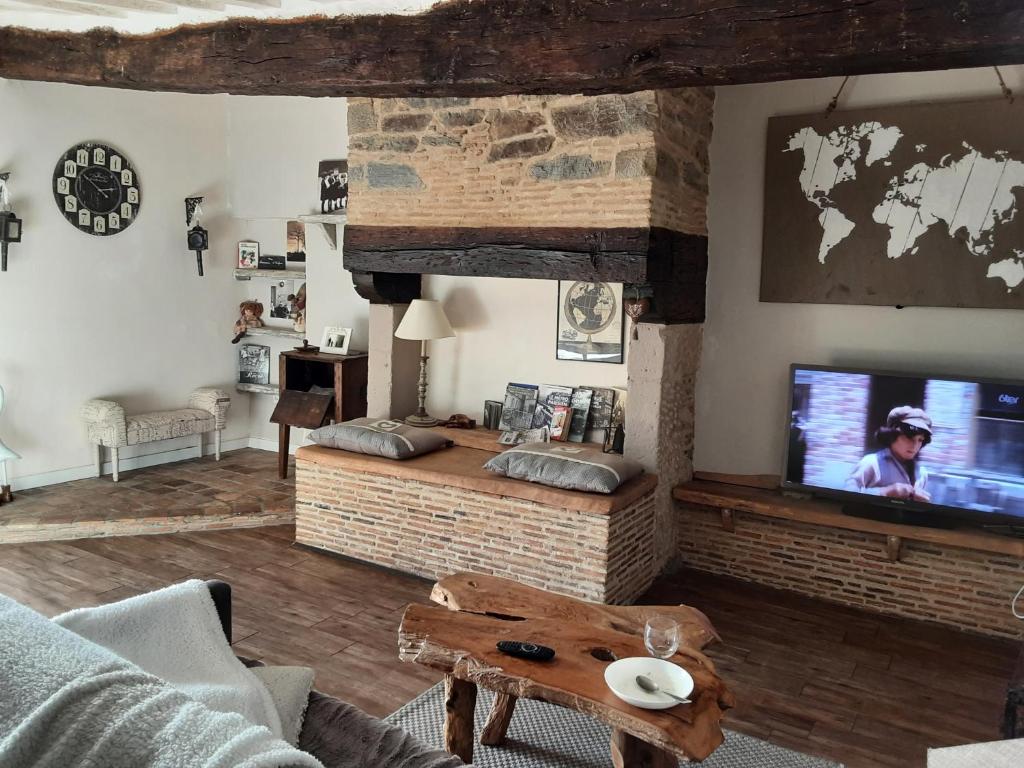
(114, 461)
(459, 705)
(199, 445)
(216, 444)
(99, 461)
(493, 734)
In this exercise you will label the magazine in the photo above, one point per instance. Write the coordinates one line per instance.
(560, 422)
(601, 408)
(520, 403)
(581, 397)
(549, 397)
(520, 436)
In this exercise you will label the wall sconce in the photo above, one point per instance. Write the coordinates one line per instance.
(10, 225)
(197, 237)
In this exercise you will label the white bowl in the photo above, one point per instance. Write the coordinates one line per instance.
(621, 678)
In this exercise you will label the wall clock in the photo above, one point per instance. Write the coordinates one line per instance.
(97, 189)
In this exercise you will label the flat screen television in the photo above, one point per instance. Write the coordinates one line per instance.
(925, 450)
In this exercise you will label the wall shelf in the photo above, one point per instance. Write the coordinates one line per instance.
(328, 223)
(268, 331)
(258, 389)
(270, 274)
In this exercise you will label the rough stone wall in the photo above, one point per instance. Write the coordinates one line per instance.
(682, 135)
(521, 161)
(433, 530)
(960, 587)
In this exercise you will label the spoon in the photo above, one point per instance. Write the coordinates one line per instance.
(652, 687)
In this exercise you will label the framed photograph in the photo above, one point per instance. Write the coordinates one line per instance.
(335, 340)
(296, 241)
(253, 364)
(589, 322)
(248, 254)
(333, 185)
(281, 301)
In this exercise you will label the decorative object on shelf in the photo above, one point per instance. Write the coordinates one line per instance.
(97, 189)
(248, 254)
(333, 185)
(296, 242)
(423, 321)
(581, 400)
(300, 309)
(253, 364)
(270, 261)
(250, 316)
(492, 414)
(635, 309)
(520, 403)
(10, 225)
(5, 454)
(335, 340)
(281, 300)
(460, 421)
(307, 347)
(198, 238)
(589, 322)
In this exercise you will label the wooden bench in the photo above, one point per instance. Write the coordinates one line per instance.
(443, 512)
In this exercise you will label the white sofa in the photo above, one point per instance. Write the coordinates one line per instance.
(109, 427)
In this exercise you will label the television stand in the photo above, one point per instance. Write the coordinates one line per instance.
(899, 516)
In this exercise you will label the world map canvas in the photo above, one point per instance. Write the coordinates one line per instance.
(911, 205)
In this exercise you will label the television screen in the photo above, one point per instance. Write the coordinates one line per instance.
(928, 443)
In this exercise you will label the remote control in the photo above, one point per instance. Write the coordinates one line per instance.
(529, 651)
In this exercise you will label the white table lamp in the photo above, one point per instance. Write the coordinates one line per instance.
(423, 321)
(5, 454)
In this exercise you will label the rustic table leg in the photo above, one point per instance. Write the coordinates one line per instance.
(630, 752)
(459, 705)
(498, 721)
(283, 442)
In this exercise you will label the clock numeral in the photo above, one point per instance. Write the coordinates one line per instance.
(70, 169)
(113, 221)
(115, 163)
(126, 177)
(82, 156)
(133, 194)
(99, 224)
(70, 203)
(84, 218)
(126, 210)
(99, 157)
(63, 185)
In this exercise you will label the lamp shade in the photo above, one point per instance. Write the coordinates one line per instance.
(424, 320)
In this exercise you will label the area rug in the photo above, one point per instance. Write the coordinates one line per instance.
(545, 736)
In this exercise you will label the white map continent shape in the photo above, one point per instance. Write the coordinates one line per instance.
(831, 160)
(972, 194)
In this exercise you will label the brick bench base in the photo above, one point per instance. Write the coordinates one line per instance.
(433, 530)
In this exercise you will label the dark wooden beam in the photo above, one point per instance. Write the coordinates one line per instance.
(387, 288)
(667, 267)
(498, 47)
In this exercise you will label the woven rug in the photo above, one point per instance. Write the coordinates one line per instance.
(545, 736)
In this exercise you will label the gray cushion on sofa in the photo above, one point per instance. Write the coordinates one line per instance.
(379, 437)
(559, 465)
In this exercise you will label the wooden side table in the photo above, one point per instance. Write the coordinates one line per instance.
(341, 381)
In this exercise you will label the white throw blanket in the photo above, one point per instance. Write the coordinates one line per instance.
(68, 702)
(175, 634)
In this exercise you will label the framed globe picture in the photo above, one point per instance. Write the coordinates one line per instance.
(589, 322)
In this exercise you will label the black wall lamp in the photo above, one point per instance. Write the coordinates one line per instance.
(198, 238)
(10, 225)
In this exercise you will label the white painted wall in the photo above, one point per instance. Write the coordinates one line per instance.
(505, 331)
(748, 346)
(124, 316)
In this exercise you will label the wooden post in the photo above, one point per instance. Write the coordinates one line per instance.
(459, 705)
(283, 439)
(498, 720)
(630, 752)
(99, 460)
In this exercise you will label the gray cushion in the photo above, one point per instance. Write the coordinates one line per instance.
(573, 467)
(379, 437)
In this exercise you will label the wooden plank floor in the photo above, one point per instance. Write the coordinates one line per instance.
(822, 679)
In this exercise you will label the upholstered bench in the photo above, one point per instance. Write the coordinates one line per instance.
(442, 513)
(109, 427)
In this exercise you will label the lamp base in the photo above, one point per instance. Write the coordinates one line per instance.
(421, 420)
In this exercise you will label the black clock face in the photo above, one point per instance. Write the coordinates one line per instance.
(97, 189)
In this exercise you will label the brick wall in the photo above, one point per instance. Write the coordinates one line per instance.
(521, 161)
(960, 587)
(433, 530)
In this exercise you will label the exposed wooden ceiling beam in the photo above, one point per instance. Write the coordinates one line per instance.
(140, 6)
(465, 48)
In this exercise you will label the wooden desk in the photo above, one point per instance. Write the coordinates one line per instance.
(344, 375)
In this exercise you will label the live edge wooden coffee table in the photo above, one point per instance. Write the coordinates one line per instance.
(458, 638)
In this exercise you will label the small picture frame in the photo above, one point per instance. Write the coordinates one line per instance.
(248, 254)
(335, 340)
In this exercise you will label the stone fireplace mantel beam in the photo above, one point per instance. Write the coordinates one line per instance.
(502, 47)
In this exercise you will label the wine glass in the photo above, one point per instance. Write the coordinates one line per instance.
(661, 636)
